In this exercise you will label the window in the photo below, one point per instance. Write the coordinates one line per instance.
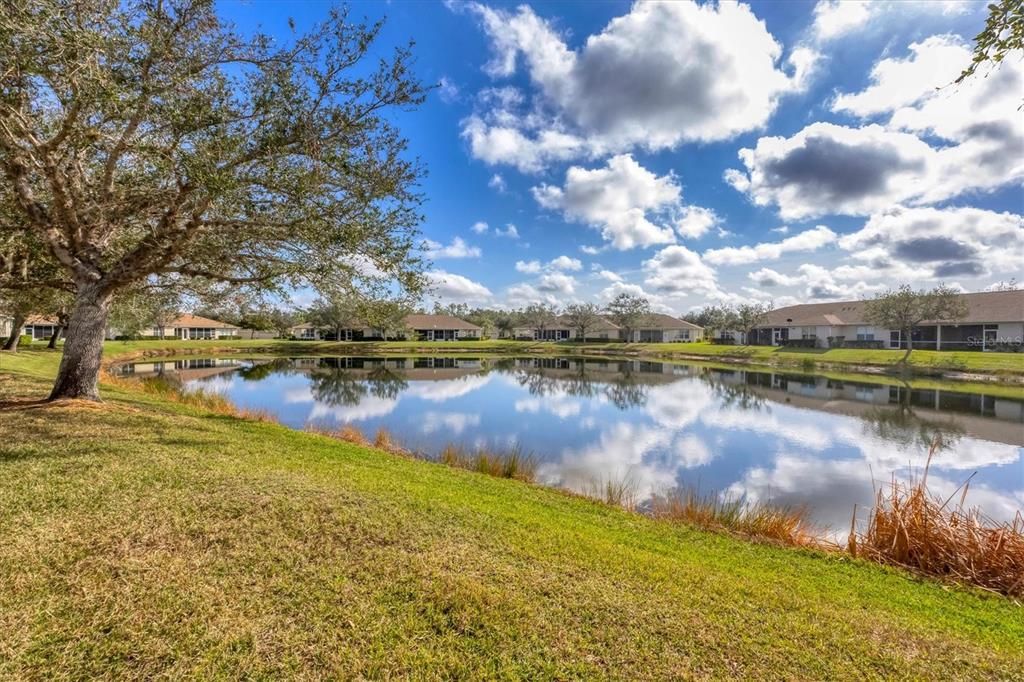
(808, 333)
(865, 334)
(685, 335)
(895, 340)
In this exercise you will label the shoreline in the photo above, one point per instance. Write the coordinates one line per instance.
(1012, 386)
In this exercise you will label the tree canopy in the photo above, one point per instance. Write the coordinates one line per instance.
(149, 138)
(905, 308)
(629, 311)
(1003, 33)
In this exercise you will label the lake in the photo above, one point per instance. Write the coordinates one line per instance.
(792, 439)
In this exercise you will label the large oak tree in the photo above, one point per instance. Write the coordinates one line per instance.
(149, 139)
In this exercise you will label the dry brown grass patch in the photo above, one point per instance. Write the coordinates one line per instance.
(915, 529)
(787, 525)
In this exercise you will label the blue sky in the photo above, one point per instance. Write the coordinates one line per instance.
(703, 153)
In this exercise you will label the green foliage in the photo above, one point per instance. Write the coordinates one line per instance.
(583, 317)
(387, 315)
(539, 316)
(335, 313)
(147, 140)
(628, 311)
(905, 308)
(1003, 33)
(748, 316)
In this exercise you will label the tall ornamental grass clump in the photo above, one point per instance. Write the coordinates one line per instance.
(915, 529)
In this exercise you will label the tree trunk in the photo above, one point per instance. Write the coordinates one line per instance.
(53, 337)
(910, 345)
(78, 376)
(15, 337)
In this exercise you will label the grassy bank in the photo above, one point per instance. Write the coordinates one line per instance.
(998, 365)
(1008, 387)
(145, 537)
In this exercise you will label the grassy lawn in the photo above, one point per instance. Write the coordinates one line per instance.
(145, 538)
(1005, 364)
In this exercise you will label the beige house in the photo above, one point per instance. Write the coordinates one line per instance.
(442, 328)
(425, 328)
(40, 328)
(994, 321)
(656, 328)
(188, 326)
(659, 328)
(561, 329)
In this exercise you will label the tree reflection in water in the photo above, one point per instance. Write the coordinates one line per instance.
(741, 395)
(337, 387)
(624, 388)
(899, 423)
(386, 383)
(261, 369)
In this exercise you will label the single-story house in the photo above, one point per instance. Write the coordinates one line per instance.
(306, 331)
(994, 320)
(655, 328)
(660, 328)
(40, 328)
(442, 328)
(188, 326)
(562, 330)
(425, 327)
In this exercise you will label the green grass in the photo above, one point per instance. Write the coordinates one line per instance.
(921, 361)
(704, 354)
(145, 538)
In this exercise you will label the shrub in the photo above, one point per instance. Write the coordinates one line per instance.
(874, 344)
(800, 343)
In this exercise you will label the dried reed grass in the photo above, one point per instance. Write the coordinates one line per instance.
(787, 525)
(917, 530)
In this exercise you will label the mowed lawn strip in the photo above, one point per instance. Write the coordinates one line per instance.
(146, 538)
(1010, 365)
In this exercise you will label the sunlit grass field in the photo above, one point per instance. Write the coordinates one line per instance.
(1006, 364)
(144, 537)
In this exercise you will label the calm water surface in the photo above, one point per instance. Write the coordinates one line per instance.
(787, 438)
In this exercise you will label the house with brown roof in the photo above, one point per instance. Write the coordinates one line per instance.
(660, 328)
(994, 321)
(41, 328)
(654, 328)
(561, 329)
(187, 326)
(441, 328)
(424, 327)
